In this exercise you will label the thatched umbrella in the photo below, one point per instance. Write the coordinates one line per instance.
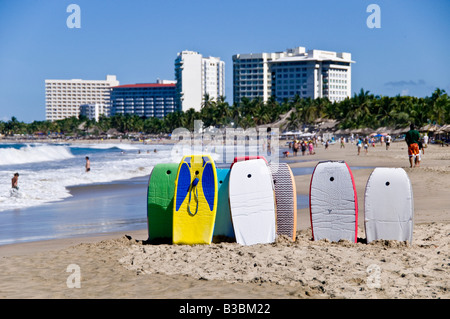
(446, 128)
(367, 130)
(384, 130)
(429, 128)
(326, 125)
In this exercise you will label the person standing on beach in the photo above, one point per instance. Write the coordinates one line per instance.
(15, 181)
(88, 164)
(425, 140)
(303, 148)
(412, 140)
(359, 145)
(388, 141)
(296, 147)
(419, 156)
(311, 148)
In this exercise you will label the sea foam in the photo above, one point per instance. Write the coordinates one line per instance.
(33, 154)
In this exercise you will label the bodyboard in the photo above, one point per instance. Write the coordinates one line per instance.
(388, 205)
(252, 202)
(195, 200)
(223, 225)
(160, 194)
(333, 202)
(285, 199)
(247, 158)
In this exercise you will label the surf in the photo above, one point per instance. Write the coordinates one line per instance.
(33, 154)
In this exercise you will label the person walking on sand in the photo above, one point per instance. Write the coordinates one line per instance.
(303, 148)
(419, 156)
(388, 141)
(311, 148)
(366, 145)
(88, 164)
(296, 147)
(412, 140)
(425, 140)
(15, 181)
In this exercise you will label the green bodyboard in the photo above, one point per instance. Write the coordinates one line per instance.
(160, 195)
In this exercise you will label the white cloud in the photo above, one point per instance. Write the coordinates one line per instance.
(404, 92)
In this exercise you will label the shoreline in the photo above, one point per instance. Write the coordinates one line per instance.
(85, 141)
(92, 210)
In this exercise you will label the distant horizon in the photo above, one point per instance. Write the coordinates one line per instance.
(138, 41)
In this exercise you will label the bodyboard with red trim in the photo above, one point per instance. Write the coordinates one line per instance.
(247, 158)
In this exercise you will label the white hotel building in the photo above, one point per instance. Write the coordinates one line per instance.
(196, 76)
(308, 74)
(63, 98)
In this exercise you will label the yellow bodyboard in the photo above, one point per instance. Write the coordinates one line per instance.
(195, 201)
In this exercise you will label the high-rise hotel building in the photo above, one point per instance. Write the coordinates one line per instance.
(146, 99)
(308, 74)
(196, 76)
(63, 98)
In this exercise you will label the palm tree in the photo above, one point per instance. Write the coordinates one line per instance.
(293, 121)
(13, 126)
(223, 112)
(235, 114)
(189, 117)
(173, 120)
(440, 108)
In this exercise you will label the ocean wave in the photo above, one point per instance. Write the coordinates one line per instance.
(34, 154)
(64, 167)
(107, 146)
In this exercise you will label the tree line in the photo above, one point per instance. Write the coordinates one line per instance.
(362, 110)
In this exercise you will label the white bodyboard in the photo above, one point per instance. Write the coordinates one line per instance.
(252, 202)
(389, 205)
(333, 202)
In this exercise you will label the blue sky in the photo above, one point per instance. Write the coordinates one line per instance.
(138, 40)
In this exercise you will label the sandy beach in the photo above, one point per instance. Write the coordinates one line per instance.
(123, 265)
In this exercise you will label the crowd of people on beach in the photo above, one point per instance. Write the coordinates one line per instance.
(415, 142)
(305, 146)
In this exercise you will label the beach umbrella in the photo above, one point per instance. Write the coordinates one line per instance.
(431, 128)
(367, 130)
(306, 134)
(446, 128)
(404, 129)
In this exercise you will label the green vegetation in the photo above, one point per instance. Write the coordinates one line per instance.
(363, 110)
